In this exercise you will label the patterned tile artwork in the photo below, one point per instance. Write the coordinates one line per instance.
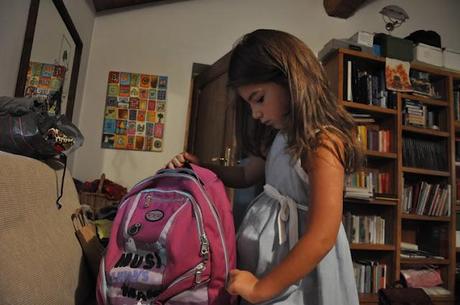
(135, 110)
(43, 80)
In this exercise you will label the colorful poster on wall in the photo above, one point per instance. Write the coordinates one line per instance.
(43, 80)
(135, 110)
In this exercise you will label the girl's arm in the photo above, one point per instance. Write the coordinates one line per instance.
(232, 176)
(326, 176)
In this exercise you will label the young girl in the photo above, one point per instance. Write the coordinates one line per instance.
(292, 248)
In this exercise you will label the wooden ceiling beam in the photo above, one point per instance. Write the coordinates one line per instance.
(342, 8)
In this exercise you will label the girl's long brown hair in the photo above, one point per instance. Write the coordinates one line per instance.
(275, 56)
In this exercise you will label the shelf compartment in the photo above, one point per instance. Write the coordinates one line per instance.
(457, 125)
(425, 131)
(427, 172)
(368, 298)
(370, 108)
(378, 154)
(371, 202)
(424, 261)
(425, 217)
(426, 100)
(372, 247)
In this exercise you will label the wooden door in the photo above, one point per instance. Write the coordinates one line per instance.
(211, 133)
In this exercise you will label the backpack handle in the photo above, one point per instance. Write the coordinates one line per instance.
(187, 168)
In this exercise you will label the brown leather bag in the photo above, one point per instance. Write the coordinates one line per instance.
(403, 296)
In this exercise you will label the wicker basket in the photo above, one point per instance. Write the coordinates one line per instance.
(97, 200)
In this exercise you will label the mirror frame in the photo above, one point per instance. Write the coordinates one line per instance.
(27, 50)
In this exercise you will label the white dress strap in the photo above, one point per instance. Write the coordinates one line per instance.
(288, 211)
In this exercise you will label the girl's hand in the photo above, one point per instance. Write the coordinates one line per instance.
(244, 283)
(179, 160)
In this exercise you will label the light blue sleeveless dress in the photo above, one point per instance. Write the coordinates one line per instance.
(271, 227)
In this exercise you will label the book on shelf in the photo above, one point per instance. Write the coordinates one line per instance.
(385, 196)
(408, 246)
(365, 229)
(424, 153)
(423, 198)
(436, 291)
(370, 276)
(362, 118)
(365, 86)
(408, 253)
(374, 138)
(457, 104)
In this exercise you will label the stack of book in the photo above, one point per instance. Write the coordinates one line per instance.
(411, 250)
(364, 184)
(362, 118)
(359, 186)
(414, 113)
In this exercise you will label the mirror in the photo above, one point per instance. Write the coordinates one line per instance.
(50, 57)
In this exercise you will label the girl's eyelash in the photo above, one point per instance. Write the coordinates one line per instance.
(261, 99)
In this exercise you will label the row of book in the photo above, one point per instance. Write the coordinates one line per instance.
(423, 153)
(370, 276)
(373, 138)
(364, 229)
(424, 198)
(366, 86)
(364, 184)
(457, 103)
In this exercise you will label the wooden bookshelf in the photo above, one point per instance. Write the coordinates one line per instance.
(372, 247)
(401, 226)
(379, 154)
(424, 261)
(425, 217)
(427, 172)
(369, 202)
(370, 108)
(426, 131)
(425, 100)
(455, 84)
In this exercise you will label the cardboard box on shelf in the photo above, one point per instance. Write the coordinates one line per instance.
(451, 59)
(363, 38)
(428, 54)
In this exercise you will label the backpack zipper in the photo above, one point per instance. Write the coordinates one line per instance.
(215, 215)
(196, 271)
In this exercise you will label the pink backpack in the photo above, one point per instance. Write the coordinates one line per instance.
(172, 242)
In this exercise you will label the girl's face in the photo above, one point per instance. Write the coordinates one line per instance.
(269, 102)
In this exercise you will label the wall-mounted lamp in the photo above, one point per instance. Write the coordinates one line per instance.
(393, 16)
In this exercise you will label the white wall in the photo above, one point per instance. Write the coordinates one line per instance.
(167, 39)
(13, 20)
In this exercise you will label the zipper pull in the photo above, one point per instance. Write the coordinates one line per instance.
(198, 271)
(204, 246)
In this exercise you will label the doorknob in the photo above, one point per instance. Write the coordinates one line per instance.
(225, 161)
